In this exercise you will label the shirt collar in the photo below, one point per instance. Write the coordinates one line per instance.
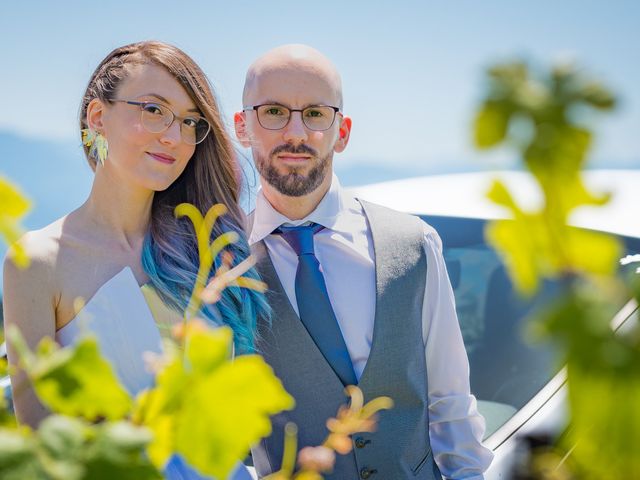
(332, 212)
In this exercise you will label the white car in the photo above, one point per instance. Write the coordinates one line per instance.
(519, 387)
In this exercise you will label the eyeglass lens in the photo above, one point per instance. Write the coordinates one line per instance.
(275, 117)
(157, 118)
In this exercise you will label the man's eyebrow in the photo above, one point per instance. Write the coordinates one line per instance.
(275, 102)
(164, 100)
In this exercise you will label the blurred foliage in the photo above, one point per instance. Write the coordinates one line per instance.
(6, 419)
(207, 408)
(539, 117)
(541, 459)
(545, 117)
(14, 206)
(67, 448)
(73, 381)
(208, 250)
(204, 406)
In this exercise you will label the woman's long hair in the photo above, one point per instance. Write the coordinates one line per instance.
(212, 175)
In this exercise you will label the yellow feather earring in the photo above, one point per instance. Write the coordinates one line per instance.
(97, 145)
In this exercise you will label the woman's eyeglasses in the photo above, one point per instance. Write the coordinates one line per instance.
(156, 118)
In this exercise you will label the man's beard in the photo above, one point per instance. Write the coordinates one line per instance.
(293, 183)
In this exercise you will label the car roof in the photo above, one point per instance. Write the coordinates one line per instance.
(464, 195)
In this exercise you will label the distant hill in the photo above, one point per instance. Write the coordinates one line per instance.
(57, 178)
(54, 175)
(362, 172)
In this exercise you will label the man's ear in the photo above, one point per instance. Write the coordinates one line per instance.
(95, 114)
(240, 124)
(343, 135)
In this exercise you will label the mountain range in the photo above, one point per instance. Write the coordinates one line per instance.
(57, 178)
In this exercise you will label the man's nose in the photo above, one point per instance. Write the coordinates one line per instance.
(295, 131)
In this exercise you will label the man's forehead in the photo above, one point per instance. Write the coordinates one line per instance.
(294, 73)
(293, 87)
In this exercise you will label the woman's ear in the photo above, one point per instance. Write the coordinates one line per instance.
(95, 113)
(240, 124)
(343, 135)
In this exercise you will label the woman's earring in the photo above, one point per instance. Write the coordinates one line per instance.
(97, 145)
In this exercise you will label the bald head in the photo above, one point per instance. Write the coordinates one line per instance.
(287, 60)
(291, 118)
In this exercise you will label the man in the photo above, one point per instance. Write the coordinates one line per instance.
(377, 311)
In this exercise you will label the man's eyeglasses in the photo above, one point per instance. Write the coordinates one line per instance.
(156, 118)
(275, 117)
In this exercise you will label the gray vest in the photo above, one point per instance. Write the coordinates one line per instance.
(396, 366)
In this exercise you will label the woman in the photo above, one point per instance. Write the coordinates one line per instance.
(154, 138)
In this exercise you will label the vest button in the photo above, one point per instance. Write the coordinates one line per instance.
(367, 472)
(360, 442)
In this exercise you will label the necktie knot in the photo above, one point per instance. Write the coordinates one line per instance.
(300, 238)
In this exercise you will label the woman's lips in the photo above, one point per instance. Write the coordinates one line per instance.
(162, 157)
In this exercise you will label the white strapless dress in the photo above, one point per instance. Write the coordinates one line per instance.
(128, 320)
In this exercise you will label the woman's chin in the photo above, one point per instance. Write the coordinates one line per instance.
(158, 184)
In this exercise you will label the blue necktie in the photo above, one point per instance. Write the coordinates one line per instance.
(314, 307)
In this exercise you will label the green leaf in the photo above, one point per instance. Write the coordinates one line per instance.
(14, 203)
(557, 150)
(18, 459)
(74, 380)
(598, 96)
(224, 417)
(512, 239)
(592, 253)
(499, 194)
(604, 386)
(72, 449)
(605, 423)
(208, 351)
(119, 452)
(13, 206)
(205, 407)
(62, 446)
(62, 436)
(6, 418)
(506, 76)
(80, 382)
(490, 126)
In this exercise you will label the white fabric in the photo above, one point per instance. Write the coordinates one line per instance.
(121, 320)
(456, 428)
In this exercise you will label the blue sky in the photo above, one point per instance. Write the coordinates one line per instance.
(412, 70)
(412, 74)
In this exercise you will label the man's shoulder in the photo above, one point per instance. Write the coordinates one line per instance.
(378, 208)
(389, 216)
(392, 214)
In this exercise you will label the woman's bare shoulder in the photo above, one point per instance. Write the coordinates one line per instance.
(32, 291)
(42, 247)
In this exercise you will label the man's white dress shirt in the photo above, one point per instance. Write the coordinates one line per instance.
(345, 252)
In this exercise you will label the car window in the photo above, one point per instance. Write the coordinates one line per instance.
(506, 369)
